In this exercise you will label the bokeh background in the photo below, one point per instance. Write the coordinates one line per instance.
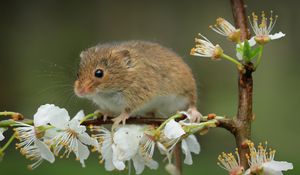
(41, 41)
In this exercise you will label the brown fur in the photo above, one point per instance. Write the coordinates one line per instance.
(140, 70)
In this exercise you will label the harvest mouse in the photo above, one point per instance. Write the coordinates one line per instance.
(136, 78)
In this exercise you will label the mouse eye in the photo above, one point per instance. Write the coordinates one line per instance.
(99, 73)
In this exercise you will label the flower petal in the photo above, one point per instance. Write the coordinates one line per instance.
(107, 152)
(252, 41)
(1, 137)
(277, 35)
(172, 169)
(51, 133)
(58, 117)
(86, 139)
(117, 163)
(108, 164)
(173, 130)
(138, 163)
(75, 125)
(188, 145)
(1, 134)
(239, 56)
(152, 164)
(45, 151)
(268, 171)
(52, 114)
(127, 141)
(162, 149)
(278, 165)
(83, 153)
(106, 149)
(185, 149)
(79, 116)
(193, 144)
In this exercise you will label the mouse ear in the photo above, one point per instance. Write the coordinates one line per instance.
(124, 55)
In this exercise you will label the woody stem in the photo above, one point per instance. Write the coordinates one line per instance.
(244, 116)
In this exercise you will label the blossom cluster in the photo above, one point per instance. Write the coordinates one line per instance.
(54, 134)
(245, 50)
(53, 129)
(260, 160)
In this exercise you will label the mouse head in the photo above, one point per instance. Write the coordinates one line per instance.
(103, 69)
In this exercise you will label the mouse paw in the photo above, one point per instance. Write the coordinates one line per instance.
(195, 115)
(121, 118)
(105, 115)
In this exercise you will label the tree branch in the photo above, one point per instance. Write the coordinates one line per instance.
(226, 123)
(178, 158)
(130, 120)
(240, 18)
(244, 117)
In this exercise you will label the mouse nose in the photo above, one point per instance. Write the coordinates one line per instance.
(82, 89)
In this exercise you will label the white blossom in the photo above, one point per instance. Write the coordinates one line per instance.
(174, 132)
(147, 146)
(124, 145)
(140, 161)
(261, 159)
(230, 163)
(72, 137)
(170, 136)
(49, 113)
(262, 31)
(127, 141)
(223, 27)
(204, 48)
(32, 138)
(32, 147)
(106, 141)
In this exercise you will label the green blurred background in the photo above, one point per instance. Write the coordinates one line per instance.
(41, 41)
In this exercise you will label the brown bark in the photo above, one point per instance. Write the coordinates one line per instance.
(240, 18)
(244, 113)
(178, 158)
(245, 86)
(131, 120)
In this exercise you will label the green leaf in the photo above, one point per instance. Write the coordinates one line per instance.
(247, 51)
(254, 53)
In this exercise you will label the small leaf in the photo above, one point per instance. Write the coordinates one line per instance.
(254, 53)
(247, 51)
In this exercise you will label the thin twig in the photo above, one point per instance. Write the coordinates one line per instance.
(226, 123)
(130, 120)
